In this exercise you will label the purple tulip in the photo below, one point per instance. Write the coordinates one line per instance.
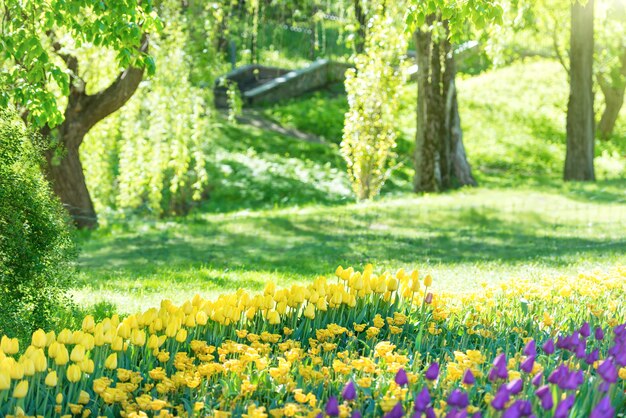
(620, 356)
(512, 411)
(531, 348)
(585, 330)
(320, 415)
(592, 357)
(349, 391)
(525, 407)
(396, 412)
(599, 334)
(458, 398)
(432, 372)
(528, 364)
(502, 397)
(499, 370)
(572, 380)
(332, 407)
(430, 412)
(468, 377)
(515, 386)
(537, 379)
(603, 409)
(545, 396)
(456, 413)
(558, 374)
(608, 371)
(563, 407)
(548, 347)
(477, 415)
(562, 342)
(422, 400)
(401, 378)
(619, 330)
(356, 414)
(580, 351)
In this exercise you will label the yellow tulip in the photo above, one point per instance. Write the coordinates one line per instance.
(201, 318)
(9, 345)
(392, 284)
(83, 398)
(65, 337)
(78, 353)
(181, 336)
(273, 317)
(50, 338)
(270, 288)
(73, 373)
(88, 341)
(428, 280)
(29, 366)
(117, 344)
(309, 311)
(123, 331)
(39, 338)
(62, 356)
(16, 371)
(339, 271)
(21, 389)
(51, 379)
(111, 362)
(40, 360)
(5, 380)
(87, 366)
(88, 323)
(138, 337)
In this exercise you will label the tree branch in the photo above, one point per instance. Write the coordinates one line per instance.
(557, 48)
(102, 104)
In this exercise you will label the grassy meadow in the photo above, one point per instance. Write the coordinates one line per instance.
(282, 207)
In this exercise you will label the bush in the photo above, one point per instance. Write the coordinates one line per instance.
(35, 244)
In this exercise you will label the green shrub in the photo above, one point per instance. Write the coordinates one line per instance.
(36, 249)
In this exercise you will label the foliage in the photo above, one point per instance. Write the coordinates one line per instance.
(153, 157)
(369, 134)
(481, 13)
(321, 113)
(32, 76)
(35, 246)
(375, 341)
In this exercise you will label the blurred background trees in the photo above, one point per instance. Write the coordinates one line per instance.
(124, 93)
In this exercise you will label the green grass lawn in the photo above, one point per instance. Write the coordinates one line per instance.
(281, 208)
(463, 238)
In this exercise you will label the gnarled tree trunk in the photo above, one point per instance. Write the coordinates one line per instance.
(64, 169)
(580, 116)
(440, 158)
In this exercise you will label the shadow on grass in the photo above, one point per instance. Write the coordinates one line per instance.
(308, 245)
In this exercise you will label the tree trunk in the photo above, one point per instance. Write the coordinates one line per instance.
(83, 111)
(613, 100)
(580, 117)
(68, 182)
(440, 158)
(361, 32)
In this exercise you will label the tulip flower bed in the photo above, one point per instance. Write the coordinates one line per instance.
(358, 344)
